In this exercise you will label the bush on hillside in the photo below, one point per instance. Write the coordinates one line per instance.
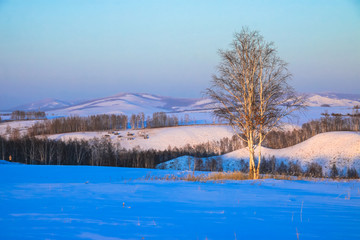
(314, 170)
(268, 166)
(294, 169)
(283, 169)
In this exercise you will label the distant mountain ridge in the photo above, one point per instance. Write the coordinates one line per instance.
(46, 104)
(333, 99)
(128, 103)
(354, 97)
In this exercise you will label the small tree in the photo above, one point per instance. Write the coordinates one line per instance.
(252, 91)
(334, 172)
(314, 170)
(356, 118)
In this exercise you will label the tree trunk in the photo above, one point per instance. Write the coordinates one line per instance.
(259, 161)
(251, 160)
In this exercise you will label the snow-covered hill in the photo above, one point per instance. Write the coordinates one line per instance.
(341, 148)
(332, 100)
(129, 103)
(333, 95)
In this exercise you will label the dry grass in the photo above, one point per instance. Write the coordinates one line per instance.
(235, 176)
(216, 177)
(227, 176)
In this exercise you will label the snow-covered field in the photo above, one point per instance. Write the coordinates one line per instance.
(341, 148)
(159, 138)
(77, 202)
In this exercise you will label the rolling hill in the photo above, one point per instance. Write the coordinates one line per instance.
(128, 103)
(341, 148)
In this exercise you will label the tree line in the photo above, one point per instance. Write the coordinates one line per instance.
(101, 152)
(327, 123)
(27, 115)
(312, 169)
(102, 122)
(269, 166)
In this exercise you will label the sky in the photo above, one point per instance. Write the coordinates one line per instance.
(84, 49)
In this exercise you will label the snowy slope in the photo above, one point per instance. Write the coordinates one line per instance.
(79, 202)
(342, 148)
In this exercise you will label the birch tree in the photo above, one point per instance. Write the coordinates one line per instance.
(252, 92)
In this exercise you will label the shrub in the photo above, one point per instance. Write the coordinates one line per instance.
(314, 170)
(282, 169)
(268, 166)
(334, 172)
(198, 164)
(244, 166)
(294, 169)
(214, 164)
(352, 173)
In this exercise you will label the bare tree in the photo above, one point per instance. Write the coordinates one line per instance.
(252, 91)
(356, 118)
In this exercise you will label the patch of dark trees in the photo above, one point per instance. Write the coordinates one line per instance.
(272, 166)
(102, 122)
(27, 115)
(312, 169)
(101, 152)
(327, 123)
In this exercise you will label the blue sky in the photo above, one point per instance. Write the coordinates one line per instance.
(84, 49)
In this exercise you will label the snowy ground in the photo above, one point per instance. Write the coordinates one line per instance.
(74, 202)
(341, 148)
